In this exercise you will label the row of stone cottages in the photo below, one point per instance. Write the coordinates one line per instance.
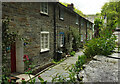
(41, 29)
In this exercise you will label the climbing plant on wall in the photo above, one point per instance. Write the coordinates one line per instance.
(76, 38)
(8, 37)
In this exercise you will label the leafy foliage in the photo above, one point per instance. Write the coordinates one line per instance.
(79, 63)
(76, 38)
(73, 72)
(105, 43)
(72, 53)
(111, 10)
(75, 10)
(98, 23)
(79, 12)
(102, 45)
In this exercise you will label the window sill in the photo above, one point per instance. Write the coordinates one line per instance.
(44, 50)
(62, 19)
(61, 45)
(76, 23)
(45, 14)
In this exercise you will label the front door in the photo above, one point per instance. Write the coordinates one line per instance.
(13, 57)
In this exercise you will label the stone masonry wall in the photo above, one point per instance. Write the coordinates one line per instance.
(27, 20)
(64, 25)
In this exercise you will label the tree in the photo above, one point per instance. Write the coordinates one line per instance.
(98, 26)
(111, 10)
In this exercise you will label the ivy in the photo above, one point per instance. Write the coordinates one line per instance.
(76, 38)
(8, 37)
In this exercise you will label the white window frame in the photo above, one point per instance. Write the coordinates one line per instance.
(81, 37)
(61, 14)
(45, 5)
(90, 26)
(90, 36)
(44, 49)
(77, 20)
(61, 41)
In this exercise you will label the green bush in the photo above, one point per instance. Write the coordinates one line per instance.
(76, 38)
(100, 46)
(104, 43)
(80, 62)
(72, 53)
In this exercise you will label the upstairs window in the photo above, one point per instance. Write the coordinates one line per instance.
(77, 22)
(61, 14)
(82, 22)
(61, 37)
(44, 41)
(44, 8)
(90, 26)
(87, 24)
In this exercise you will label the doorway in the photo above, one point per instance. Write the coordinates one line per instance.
(13, 57)
(17, 53)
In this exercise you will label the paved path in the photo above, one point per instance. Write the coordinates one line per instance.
(104, 69)
(61, 68)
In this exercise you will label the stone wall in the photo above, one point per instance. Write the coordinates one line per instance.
(65, 25)
(28, 22)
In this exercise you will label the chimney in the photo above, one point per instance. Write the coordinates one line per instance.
(71, 6)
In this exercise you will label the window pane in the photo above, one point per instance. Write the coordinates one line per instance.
(42, 47)
(44, 41)
(81, 37)
(61, 14)
(46, 45)
(45, 10)
(44, 7)
(61, 39)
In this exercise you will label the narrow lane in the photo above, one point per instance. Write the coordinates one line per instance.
(61, 68)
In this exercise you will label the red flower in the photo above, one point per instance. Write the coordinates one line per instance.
(39, 76)
(112, 30)
(23, 79)
(9, 80)
(28, 59)
(29, 68)
(24, 56)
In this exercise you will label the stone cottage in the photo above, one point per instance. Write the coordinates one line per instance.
(40, 30)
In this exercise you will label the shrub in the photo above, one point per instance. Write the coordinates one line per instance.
(80, 62)
(76, 38)
(73, 72)
(100, 46)
(72, 53)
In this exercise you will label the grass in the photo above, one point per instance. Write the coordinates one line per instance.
(57, 62)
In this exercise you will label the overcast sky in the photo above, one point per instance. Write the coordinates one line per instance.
(87, 6)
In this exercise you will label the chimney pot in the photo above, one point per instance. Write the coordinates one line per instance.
(71, 6)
